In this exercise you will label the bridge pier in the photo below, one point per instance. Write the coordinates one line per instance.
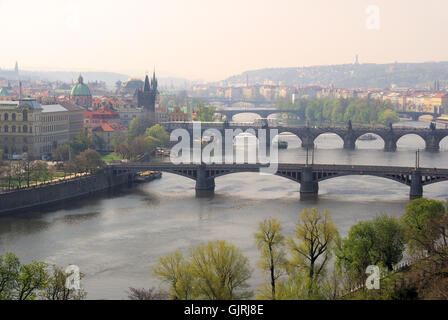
(205, 186)
(309, 188)
(390, 145)
(416, 186)
(432, 144)
(349, 143)
(307, 142)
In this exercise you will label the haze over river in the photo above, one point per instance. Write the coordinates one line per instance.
(116, 239)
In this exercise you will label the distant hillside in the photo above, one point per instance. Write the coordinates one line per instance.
(89, 76)
(415, 75)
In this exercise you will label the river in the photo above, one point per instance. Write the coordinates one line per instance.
(116, 239)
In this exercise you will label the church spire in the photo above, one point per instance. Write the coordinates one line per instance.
(147, 86)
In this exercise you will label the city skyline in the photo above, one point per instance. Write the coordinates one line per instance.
(210, 41)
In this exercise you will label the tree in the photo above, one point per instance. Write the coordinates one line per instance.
(271, 242)
(62, 152)
(220, 271)
(139, 146)
(81, 143)
(56, 288)
(311, 248)
(174, 271)
(138, 126)
(212, 271)
(204, 113)
(99, 141)
(388, 116)
(159, 133)
(89, 160)
(147, 294)
(41, 172)
(32, 278)
(118, 138)
(9, 272)
(425, 223)
(377, 242)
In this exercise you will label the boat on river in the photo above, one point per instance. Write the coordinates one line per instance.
(368, 137)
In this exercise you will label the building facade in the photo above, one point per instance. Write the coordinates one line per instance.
(28, 127)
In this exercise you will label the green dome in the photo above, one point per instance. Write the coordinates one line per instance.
(80, 89)
(4, 92)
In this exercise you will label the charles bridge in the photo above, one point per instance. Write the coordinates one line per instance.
(308, 176)
(308, 134)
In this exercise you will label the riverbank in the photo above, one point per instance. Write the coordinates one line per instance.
(66, 190)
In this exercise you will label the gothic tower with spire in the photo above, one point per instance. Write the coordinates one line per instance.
(147, 97)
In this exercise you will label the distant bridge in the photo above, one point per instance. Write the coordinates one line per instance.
(416, 115)
(308, 135)
(229, 113)
(308, 176)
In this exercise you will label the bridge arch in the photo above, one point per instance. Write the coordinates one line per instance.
(327, 138)
(411, 141)
(280, 113)
(235, 116)
(379, 143)
(403, 179)
(443, 144)
(296, 137)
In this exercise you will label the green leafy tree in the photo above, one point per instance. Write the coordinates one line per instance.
(82, 142)
(425, 224)
(174, 271)
(212, 271)
(377, 242)
(311, 248)
(204, 113)
(221, 271)
(56, 287)
(32, 278)
(159, 133)
(388, 116)
(271, 243)
(9, 273)
(138, 126)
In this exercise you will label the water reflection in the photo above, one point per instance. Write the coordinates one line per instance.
(116, 238)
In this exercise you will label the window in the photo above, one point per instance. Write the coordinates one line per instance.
(6, 128)
(13, 128)
(25, 115)
(6, 117)
(13, 117)
(25, 129)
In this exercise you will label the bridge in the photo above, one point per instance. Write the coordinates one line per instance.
(414, 115)
(308, 135)
(262, 112)
(308, 176)
(229, 113)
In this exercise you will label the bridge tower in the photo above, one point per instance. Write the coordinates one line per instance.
(309, 187)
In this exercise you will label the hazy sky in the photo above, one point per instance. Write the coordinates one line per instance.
(210, 39)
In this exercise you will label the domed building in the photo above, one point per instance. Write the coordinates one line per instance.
(131, 85)
(4, 93)
(80, 94)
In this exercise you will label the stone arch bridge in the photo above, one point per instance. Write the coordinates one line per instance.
(308, 135)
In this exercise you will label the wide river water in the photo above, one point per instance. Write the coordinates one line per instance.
(116, 239)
